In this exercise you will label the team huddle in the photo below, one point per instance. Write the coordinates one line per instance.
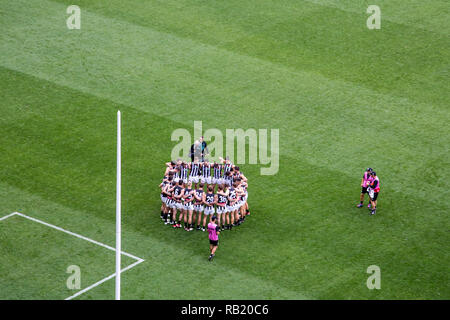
(189, 195)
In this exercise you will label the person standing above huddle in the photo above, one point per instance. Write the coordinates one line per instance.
(196, 150)
(203, 148)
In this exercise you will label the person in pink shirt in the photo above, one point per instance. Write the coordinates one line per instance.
(374, 189)
(365, 182)
(213, 232)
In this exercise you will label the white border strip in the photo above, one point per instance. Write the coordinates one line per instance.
(8, 216)
(139, 260)
(75, 234)
(103, 280)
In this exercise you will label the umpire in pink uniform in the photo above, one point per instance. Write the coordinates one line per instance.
(213, 232)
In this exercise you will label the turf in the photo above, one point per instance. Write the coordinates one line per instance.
(37, 258)
(343, 97)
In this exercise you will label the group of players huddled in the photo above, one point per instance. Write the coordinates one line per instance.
(188, 191)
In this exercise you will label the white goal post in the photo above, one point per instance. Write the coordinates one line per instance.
(118, 213)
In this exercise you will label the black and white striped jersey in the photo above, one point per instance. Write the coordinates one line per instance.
(186, 191)
(226, 168)
(177, 191)
(232, 194)
(217, 171)
(195, 169)
(184, 172)
(164, 183)
(209, 198)
(177, 172)
(206, 170)
(221, 198)
(199, 194)
(166, 190)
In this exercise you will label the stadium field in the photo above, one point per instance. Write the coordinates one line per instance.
(343, 97)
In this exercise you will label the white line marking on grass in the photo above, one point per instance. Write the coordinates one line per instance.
(139, 260)
(8, 216)
(103, 280)
(75, 235)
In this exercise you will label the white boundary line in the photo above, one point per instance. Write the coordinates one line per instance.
(103, 280)
(139, 260)
(8, 216)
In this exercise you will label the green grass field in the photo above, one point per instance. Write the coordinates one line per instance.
(342, 96)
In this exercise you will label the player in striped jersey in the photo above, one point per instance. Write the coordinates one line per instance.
(245, 210)
(170, 167)
(227, 165)
(199, 196)
(162, 186)
(228, 223)
(240, 203)
(237, 174)
(221, 207)
(217, 178)
(206, 172)
(188, 197)
(233, 197)
(194, 172)
(170, 202)
(228, 179)
(184, 168)
(242, 182)
(166, 185)
(209, 205)
(177, 173)
(178, 205)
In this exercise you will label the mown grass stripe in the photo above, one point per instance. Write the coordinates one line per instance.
(318, 97)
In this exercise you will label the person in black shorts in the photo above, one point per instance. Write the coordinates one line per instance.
(213, 231)
(365, 181)
(373, 190)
